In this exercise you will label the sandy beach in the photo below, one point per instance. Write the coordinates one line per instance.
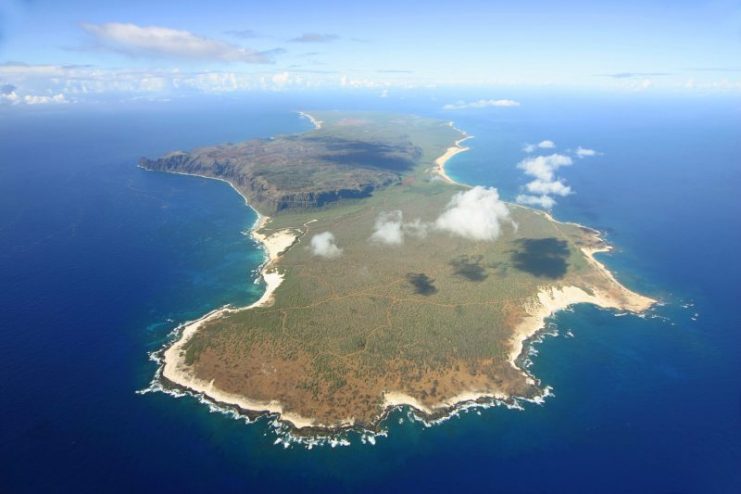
(449, 153)
(174, 368)
(547, 302)
(553, 299)
(394, 399)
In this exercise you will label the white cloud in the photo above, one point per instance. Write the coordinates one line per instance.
(165, 42)
(30, 99)
(416, 228)
(584, 152)
(545, 144)
(92, 83)
(9, 96)
(556, 187)
(281, 78)
(388, 228)
(476, 214)
(324, 245)
(482, 103)
(545, 202)
(543, 170)
(544, 167)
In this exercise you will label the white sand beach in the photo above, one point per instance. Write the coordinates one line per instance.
(449, 153)
(553, 299)
(547, 302)
(175, 369)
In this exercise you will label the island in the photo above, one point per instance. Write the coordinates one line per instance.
(386, 283)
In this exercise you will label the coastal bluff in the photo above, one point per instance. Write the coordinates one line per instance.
(387, 284)
(308, 170)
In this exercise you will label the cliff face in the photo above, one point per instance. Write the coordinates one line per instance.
(295, 172)
(262, 194)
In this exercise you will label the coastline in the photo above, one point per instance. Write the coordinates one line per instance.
(551, 300)
(544, 304)
(314, 121)
(449, 153)
(177, 372)
(173, 367)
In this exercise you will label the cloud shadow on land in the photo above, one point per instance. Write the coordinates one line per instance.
(541, 257)
(397, 157)
(469, 268)
(423, 284)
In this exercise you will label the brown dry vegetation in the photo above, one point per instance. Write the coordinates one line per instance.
(341, 332)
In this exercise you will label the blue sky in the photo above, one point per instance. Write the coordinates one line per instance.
(77, 49)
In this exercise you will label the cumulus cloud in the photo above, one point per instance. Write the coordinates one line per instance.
(315, 38)
(135, 40)
(555, 187)
(544, 167)
(545, 184)
(482, 103)
(585, 152)
(388, 228)
(325, 245)
(31, 99)
(10, 96)
(476, 214)
(416, 228)
(544, 202)
(545, 144)
(91, 83)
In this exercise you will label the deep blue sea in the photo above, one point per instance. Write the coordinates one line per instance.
(100, 261)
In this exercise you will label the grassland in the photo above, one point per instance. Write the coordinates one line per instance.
(435, 319)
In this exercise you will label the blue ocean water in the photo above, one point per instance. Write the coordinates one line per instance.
(100, 260)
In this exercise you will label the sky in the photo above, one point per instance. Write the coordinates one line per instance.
(54, 52)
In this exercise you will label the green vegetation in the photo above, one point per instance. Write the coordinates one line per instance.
(432, 316)
(356, 155)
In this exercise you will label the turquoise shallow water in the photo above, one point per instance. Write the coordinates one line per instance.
(100, 260)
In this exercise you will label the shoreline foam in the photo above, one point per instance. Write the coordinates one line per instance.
(546, 303)
(176, 371)
(550, 300)
(173, 367)
(449, 153)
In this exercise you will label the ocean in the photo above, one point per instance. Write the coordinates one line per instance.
(101, 260)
